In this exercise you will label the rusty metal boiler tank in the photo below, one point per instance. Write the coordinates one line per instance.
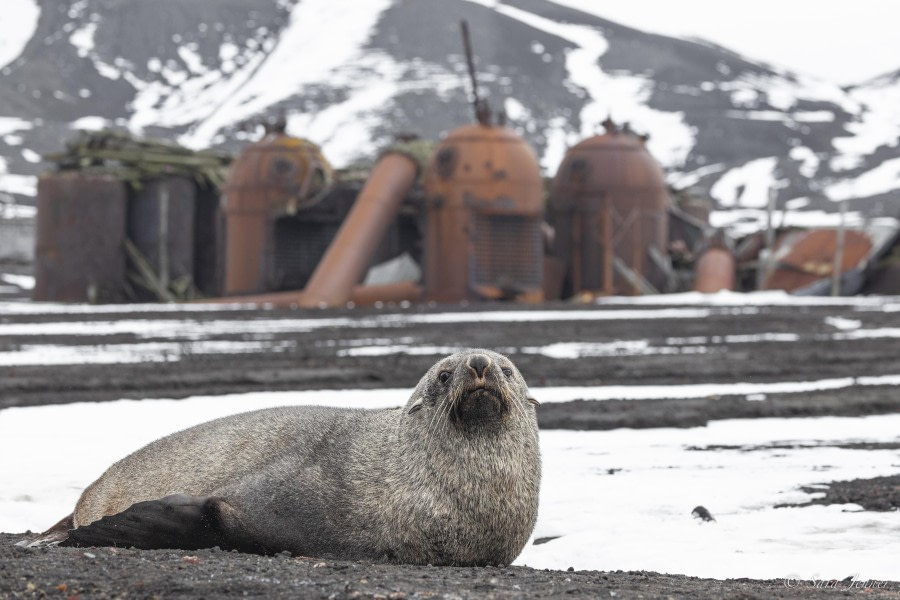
(484, 210)
(271, 178)
(608, 205)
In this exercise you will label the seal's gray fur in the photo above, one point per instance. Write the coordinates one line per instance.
(451, 478)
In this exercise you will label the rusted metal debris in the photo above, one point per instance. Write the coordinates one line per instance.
(276, 176)
(608, 207)
(146, 197)
(351, 251)
(804, 257)
(135, 160)
(483, 215)
(715, 270)
(80, 236)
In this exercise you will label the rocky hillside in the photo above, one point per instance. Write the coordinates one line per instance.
(352, 74)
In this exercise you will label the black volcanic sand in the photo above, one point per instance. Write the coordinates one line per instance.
(876, 494)
(739, 345)
(121, 573)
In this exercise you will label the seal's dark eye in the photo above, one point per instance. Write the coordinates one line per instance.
(507, 371)
(444, 377)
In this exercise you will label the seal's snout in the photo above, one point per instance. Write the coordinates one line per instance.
(479, 363)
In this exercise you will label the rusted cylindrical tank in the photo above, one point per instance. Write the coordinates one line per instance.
(80, 238)
(270, 178)
(714, 271)
(352, 249)
(608, 206)
(484, 209)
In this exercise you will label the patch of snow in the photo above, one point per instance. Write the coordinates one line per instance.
(843, 323)
(782, 93)
(600, 495)
(599, 492)
(307, 53)
(746, 186)
(796, 203)
(192, 59)
(146, 352)
(52, 308)
(809, 159)
(622, 96)
(25, 185)
(703, 390)
(684, 181)
(790, 118)
(16, 211)
(83, 39)
(559, 139)
(744, 221)
(739, 299)
(879, 124)
(869, 334)
(89, 123)
(515, 110)
(31, 156)
(25, 282)
(845, 162)
(18, 22)
(106, 70)
(11, 124)
(880, 180)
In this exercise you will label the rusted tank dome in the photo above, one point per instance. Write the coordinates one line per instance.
(279, 173)
(613, 161)
(608, 206)
(484, 212)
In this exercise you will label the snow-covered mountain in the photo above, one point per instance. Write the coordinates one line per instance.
(352, 74)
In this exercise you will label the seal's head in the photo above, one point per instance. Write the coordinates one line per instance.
(472, 389)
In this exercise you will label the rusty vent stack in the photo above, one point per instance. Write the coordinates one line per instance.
(608, 207)
(484, 209)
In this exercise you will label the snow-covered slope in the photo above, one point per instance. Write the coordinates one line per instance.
(352, 74)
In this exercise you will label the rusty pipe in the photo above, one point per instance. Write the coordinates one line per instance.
(715, 271)
(349, 254)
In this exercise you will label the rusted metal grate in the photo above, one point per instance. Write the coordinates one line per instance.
(298, 247)
(507, 252)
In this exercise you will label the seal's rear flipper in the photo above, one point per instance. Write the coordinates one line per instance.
(52, 536)
(177, 521)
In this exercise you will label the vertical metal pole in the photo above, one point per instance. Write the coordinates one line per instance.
(838, 268)
(765, 257)
(164, 233)
(480, 114)
(608, 250)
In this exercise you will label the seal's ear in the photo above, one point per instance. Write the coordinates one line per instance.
(532, 401)
(415, 406)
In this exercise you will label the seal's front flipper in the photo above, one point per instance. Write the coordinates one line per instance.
(178, 521)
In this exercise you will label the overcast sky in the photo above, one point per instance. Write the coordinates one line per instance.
(845, 42)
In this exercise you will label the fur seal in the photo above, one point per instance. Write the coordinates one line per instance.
(452, 478)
